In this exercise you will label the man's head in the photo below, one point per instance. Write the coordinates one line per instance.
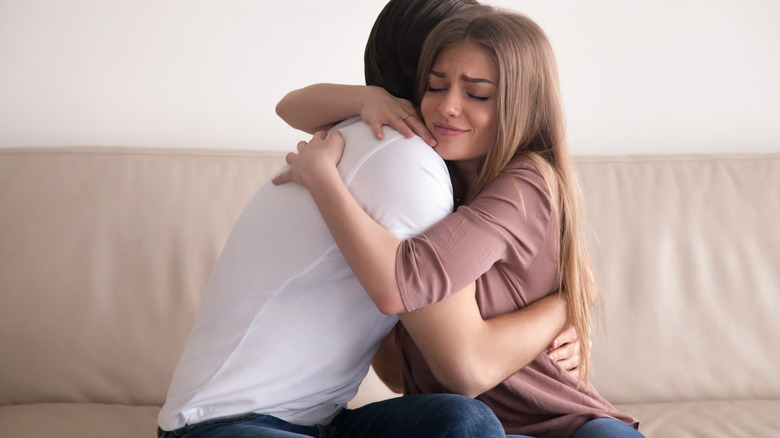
(393, 48)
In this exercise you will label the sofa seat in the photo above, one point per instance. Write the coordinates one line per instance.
(105, 252)
(712, 419)
(77, 420)
(721, 418)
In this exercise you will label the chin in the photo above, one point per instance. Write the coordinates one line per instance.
(442, 153)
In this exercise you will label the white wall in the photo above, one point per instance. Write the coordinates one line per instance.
(638, 77)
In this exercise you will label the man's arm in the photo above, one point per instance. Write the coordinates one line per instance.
(387, 364)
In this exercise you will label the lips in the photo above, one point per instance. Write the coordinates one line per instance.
(447, 130)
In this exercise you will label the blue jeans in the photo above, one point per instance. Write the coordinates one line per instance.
(416, 416)
(601, 428)
(606, 428)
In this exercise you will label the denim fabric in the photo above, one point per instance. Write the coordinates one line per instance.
(606, 428)
(420, 416)
(243, 426)
(601, 428)
(416, 416)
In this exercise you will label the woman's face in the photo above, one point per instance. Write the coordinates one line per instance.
(459, 104)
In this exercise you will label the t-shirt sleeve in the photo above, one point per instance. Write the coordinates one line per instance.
(508, 222)
(404, 186)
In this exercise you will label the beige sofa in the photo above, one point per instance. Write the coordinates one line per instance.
(104, 253)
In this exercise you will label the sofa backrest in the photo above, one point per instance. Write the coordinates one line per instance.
(104, 254)
(688, 257)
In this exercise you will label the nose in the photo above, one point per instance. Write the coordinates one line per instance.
(450, 106)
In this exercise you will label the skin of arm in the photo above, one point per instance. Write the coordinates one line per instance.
(467, 354)
(564, 350)
(387, 364)
(368, 248)
(318, 107)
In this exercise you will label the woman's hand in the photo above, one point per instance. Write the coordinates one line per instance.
(382, 108)
(314, 159)
(565, 351)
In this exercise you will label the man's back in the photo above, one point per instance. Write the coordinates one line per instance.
(284, 327)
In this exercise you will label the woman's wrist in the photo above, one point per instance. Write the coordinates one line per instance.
(322, 180)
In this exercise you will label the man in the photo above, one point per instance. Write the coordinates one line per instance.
(285, 333)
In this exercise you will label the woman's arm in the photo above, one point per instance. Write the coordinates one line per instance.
(368, 248)
(477, 355)
(318, 107)
(469, 355)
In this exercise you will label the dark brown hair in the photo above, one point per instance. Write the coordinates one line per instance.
(393, 49)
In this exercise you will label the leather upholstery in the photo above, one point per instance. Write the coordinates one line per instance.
(104, 253)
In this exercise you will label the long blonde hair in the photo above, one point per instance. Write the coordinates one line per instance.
(531, 127)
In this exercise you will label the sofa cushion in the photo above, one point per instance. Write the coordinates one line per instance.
(105, 253)
(84, 420)
(712, 419)
(688, 257)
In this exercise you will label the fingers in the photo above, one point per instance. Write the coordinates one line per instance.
(289, 158)
(565, 351)
(567, 336)
(567, 356)
(419, 128)
(569, 364)
(318, 136)
(408, 125)
(401, 124)
(322, 148)
(376, 126)
(282, 178)
(286, 176)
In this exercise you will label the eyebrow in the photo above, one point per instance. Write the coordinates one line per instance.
(464, 78)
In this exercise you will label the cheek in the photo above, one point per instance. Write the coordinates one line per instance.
(486, 122)
(487, 118)
(427, 107)
(486, 130)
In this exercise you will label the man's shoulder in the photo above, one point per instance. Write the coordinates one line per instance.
(401, 182)
(358, 135)
(362, 148)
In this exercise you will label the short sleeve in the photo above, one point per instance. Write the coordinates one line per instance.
(507, 223)
(403, 185)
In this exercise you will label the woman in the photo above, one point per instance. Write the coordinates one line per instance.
(284, 335)
(489, 94)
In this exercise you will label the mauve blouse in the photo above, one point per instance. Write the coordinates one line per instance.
(506, 240)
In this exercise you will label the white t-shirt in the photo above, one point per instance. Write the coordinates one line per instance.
(285, 328)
